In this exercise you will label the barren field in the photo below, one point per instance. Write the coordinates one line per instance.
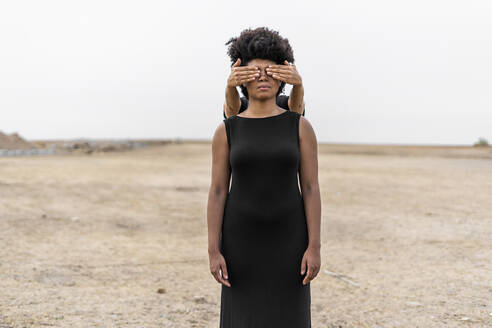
(119, 239)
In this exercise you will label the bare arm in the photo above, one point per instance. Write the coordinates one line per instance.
(288, 73)
(239, 75)
(308, 176)
(232, 101)
(219, 186)
(217, 195)
(296, 99)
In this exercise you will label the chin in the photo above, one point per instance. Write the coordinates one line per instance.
(264, 96)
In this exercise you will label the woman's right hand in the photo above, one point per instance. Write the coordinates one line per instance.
(218, 268)
(242, 74)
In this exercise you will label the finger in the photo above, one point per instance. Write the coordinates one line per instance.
(279, 70)
(215, 274)
(280, 66)
(285, 76)
(237, 63)
(306, 278)
(312, 273)
(245, 69)
(244, 73)
(303, 265)
(248, 79)
(224, 271)
(315, 270)
(218, 277)
(282, 78)
(223, 280)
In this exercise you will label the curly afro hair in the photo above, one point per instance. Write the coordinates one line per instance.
(262, 43)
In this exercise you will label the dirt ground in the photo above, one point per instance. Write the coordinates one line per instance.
(120, 239)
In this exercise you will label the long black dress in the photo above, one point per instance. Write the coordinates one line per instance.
(264, 229)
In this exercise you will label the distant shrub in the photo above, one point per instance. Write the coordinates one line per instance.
(482, 142)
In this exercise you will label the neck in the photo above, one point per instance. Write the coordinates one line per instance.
(262, 106)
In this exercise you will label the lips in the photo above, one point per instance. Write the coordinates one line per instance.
(263, 86)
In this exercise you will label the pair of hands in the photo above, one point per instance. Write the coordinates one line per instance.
(242, 74)
(311, 261)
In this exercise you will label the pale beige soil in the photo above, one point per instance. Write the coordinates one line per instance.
(88, 240)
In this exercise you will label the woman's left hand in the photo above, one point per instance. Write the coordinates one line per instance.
(286, 73)
(311, 260)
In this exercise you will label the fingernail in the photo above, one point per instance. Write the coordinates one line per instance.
(226, 276)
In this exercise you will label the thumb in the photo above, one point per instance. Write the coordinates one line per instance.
(286, 62)
(237, 63)
(303, 264)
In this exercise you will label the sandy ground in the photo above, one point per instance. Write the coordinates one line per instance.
(120, 239)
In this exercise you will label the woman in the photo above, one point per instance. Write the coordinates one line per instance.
(264, 236)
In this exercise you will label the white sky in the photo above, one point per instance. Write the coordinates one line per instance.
(408, 72)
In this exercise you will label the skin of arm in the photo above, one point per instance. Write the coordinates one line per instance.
(296, 99)
(308, 176)
(217, 195)
(232, 101)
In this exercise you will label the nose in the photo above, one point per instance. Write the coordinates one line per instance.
(263, 74)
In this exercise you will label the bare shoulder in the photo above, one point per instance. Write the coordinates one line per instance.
(304, 121)
(306, 130)
(220, 134)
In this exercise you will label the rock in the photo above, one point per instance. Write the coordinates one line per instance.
(199, 299)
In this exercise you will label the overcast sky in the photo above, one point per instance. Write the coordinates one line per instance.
(403, 72)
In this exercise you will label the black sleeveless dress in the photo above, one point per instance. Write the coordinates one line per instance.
(264, 229)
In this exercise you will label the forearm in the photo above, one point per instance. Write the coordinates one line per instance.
(296, 99)
(233, 102)
(215, 210)
(312, 205)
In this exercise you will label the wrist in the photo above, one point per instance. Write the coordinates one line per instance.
(298, 84)
(213, 250)
(314, 245)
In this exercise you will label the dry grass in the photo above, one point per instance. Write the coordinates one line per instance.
(88, 241)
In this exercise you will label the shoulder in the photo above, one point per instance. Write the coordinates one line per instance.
(221, 128)
(303, 121)
(220, 138)
(306, 130)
